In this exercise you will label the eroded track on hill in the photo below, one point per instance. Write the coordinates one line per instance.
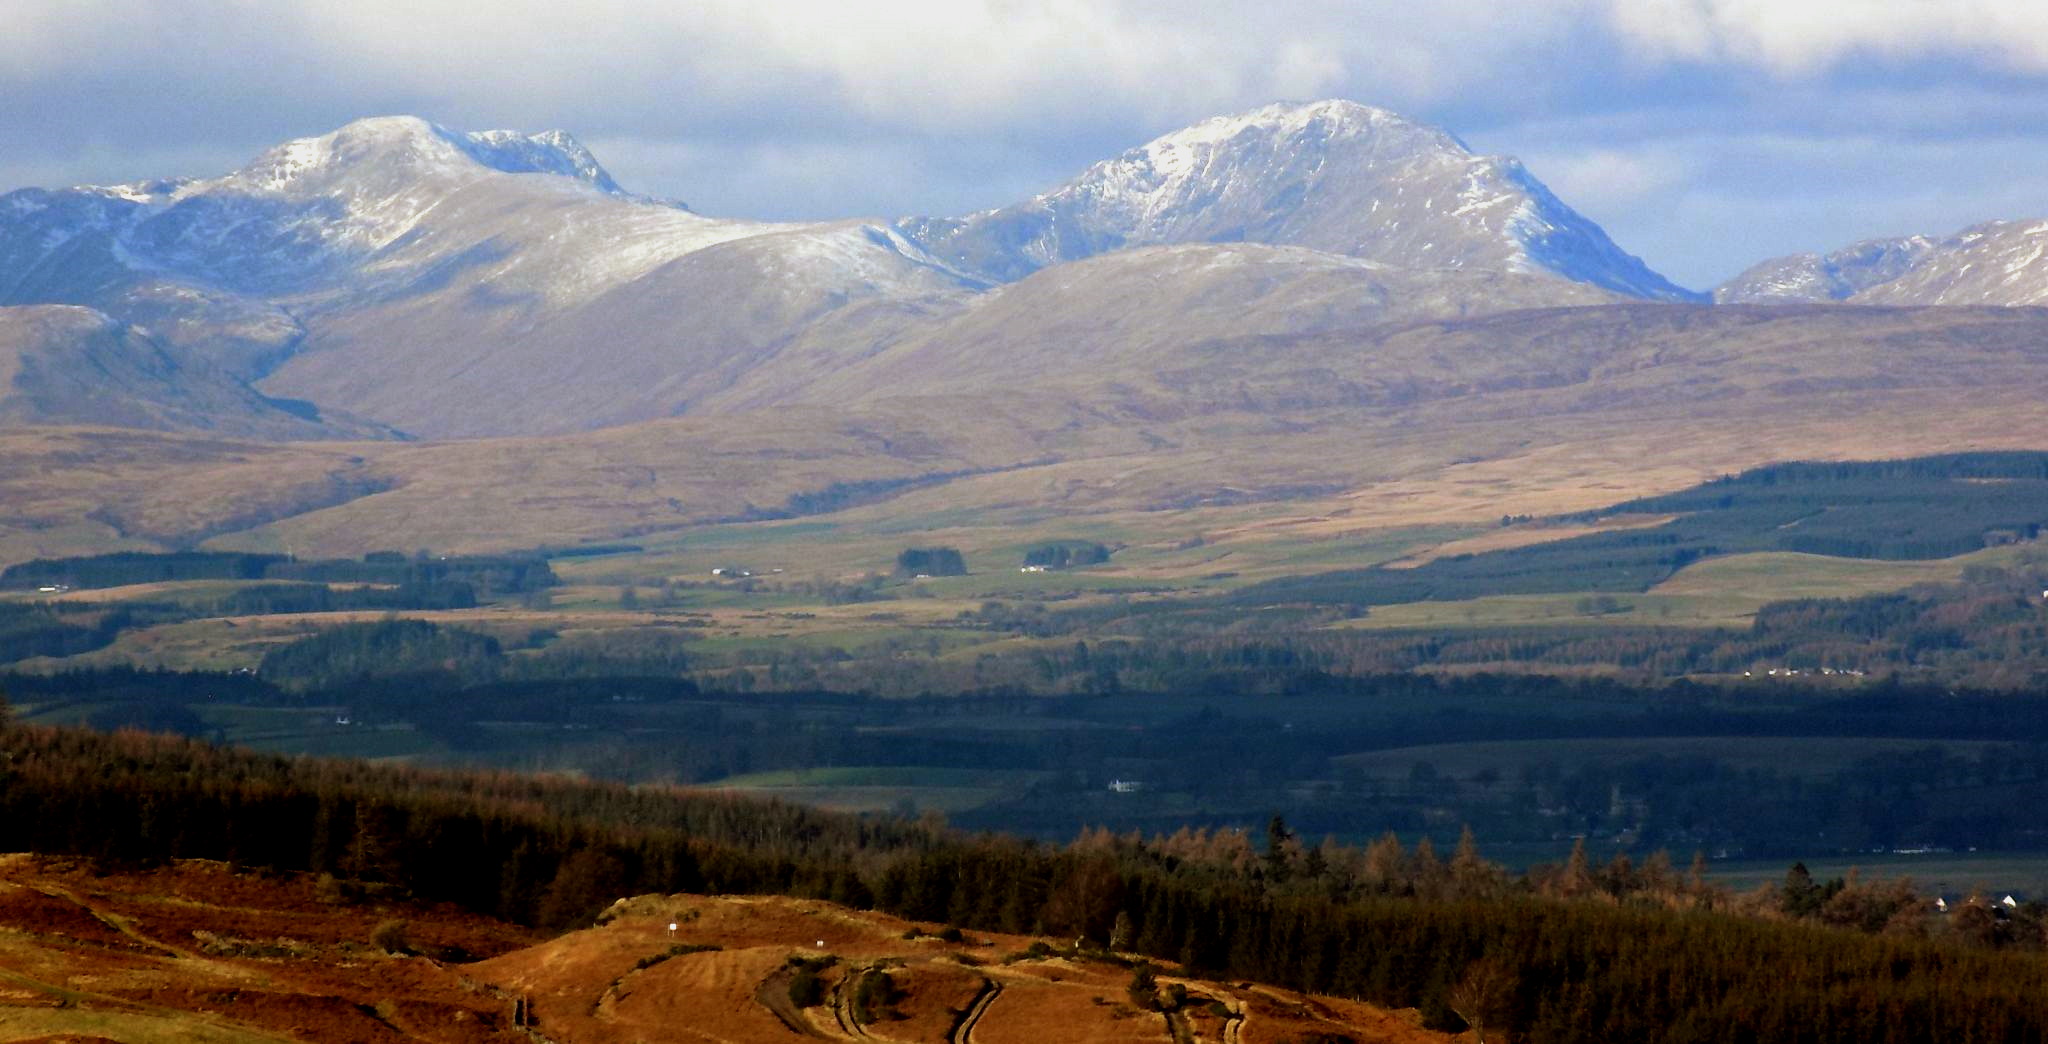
(990, 990)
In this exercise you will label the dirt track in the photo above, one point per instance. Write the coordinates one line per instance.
(991, 989)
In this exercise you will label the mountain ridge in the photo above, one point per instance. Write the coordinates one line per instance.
(2002, 262)
(455, 284)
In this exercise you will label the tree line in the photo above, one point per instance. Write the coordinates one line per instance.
(1571, 953)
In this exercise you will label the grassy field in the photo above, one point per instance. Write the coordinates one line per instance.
(1812, 757)
(1631, 609)
(1774, 576)
(1944, 873)
(283, 730)
(1717, 592)
(1187, 551)
(883, 788)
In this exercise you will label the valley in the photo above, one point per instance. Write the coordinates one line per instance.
(1791, 601)
(913, 621)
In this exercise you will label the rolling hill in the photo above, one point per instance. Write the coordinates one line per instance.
(1449, 420)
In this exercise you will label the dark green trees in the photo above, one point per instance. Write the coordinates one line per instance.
(930, 561)
(1066, 554)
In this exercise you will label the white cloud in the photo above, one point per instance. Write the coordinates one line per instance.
(822, 180)
(942, 65)
(1614, 177)
(1801, 37)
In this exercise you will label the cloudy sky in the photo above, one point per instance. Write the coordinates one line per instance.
(1704, 134)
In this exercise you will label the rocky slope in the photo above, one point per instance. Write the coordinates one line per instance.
(66, 364)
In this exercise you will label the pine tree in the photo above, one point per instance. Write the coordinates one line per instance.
(1426, 872)
(1383, 864)
(1799, 896)
(1279, 845)
(1121, 934)
(1471, 876)
(1577, 878)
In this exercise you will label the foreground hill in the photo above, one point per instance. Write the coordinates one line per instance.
(1129, 315)
(196, 951)
(1570, 954)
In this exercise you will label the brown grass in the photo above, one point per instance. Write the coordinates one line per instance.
(197, 953)
(1261, 455)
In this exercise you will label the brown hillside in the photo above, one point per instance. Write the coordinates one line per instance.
(196, 952)
(1465, 420)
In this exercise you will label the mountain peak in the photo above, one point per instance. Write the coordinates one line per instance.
(1332, 175)
(1336, 116)
(548, 152)
(420, 147)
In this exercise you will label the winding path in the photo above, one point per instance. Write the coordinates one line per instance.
(842, 1002)
(990, 990)
(773, 994)
(1233, 1024)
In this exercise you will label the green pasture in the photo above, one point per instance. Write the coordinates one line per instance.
(1811, 757)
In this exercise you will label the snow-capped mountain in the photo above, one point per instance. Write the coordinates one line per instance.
(446, 284)
(305, 210)
(1835, 276)
(1995, 263)
(440, 281)
(1332, 175)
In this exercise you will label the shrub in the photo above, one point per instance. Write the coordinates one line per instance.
(806, 990)
(390, 937)
(1144, 987)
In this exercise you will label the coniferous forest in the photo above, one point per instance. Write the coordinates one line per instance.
(1574, 952)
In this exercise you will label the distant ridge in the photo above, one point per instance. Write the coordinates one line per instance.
(1994, 263)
